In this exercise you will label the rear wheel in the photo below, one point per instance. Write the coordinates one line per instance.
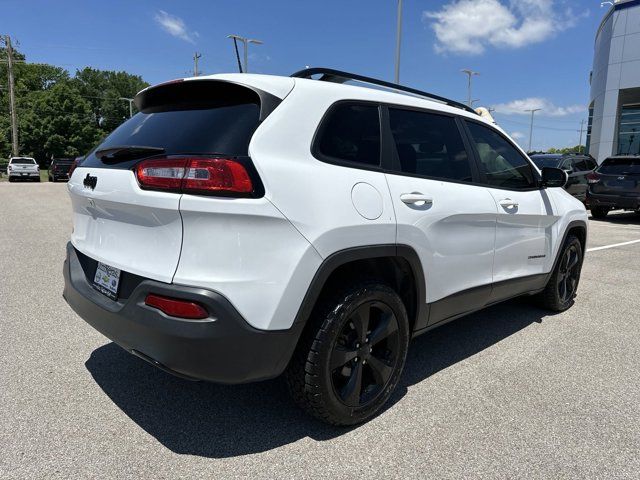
(599, 212)
(350, 359)
(560, 292)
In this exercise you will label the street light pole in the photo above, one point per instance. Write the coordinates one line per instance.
(245, 42)
(398, 41)
(532, 110)
(469, 73)
(130, 100)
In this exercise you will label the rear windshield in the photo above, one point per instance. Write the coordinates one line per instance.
(199, 117)
(24, 161)
(620, 166)
(545, 161)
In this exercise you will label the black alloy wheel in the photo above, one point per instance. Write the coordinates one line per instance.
(351, 355)
(569, 273)
(365, 354)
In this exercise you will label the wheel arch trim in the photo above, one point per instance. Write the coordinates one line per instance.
(349, 255)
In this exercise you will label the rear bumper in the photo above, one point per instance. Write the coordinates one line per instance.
(222, 348)
(24, 174)
(613, 201)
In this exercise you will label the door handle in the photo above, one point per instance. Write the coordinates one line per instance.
(416, 198)
(508, 203)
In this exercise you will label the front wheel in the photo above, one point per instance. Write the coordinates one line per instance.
(560, 292)
(351, 357)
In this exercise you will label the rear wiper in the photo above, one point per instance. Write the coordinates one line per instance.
(126, 152)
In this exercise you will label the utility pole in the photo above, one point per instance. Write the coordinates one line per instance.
(196, 56)
(398, 41)
(532, 110)
(246, 41)
(469, 73)
(12, 98)
(130, 100)
(580, 142)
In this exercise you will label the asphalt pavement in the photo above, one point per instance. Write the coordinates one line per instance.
(509, 392)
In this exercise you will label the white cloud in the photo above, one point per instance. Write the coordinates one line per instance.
(548, 109)
(175, 26)
(517, 135)
(470, 26)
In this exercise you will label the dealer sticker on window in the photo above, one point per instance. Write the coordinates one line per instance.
(106, 280)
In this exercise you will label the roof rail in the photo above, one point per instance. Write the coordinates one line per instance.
(337, 76)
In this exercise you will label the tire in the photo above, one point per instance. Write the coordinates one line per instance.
(333, 352)
(10, 179)
(560, 292)
(599, 212)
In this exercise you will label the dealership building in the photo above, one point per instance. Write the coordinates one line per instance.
(614, 103)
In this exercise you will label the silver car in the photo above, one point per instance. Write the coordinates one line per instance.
(25, 168)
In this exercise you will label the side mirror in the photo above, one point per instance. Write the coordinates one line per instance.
(553, 177)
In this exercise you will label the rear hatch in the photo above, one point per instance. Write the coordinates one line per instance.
(139, 230)
(62, 166)
(617, 176)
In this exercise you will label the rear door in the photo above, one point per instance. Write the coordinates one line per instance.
(140, 230)
(525, 213)
(447, 218)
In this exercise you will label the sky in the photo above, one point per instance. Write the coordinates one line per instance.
(529, 53)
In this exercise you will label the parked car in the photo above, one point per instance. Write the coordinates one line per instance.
(59, 169)
(310, 228)
(615, 185)
(577, 167)
(23, 168)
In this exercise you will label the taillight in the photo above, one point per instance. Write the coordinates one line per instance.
(593, 177)
(195, 175)
(73, 167)
(175, 307)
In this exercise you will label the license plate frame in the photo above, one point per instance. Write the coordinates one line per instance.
(107, 280)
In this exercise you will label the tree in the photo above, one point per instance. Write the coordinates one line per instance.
(60, 115)
(104, 89)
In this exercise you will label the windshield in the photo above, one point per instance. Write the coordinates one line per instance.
(23, 161)
(620, 166)
(544, 161)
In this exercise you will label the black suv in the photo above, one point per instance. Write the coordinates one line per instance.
(577, 166)
(614, 185)
(59, 169)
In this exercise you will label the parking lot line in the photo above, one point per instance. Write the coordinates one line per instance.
(612, 246)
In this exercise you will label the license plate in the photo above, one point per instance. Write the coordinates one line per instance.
(107, 280)
(22, 174)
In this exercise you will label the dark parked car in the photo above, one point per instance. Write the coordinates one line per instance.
(59, 169)
(615, 185)
(577, 167)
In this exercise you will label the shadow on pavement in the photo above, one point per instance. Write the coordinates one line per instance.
(210, 420)
(619, 218)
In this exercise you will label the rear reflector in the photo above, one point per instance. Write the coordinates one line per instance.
(195, 175)
(176, 307)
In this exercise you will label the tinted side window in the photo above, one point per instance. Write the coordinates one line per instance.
(429, 145)
(501, 163)
(591, 164)
(351, 133)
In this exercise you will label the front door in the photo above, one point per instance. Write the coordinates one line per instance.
(525, 212)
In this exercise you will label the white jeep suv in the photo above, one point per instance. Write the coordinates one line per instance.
(244, 226)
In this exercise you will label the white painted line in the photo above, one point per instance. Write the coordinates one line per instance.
(612, 246)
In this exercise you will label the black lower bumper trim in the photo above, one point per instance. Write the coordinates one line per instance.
(614, 201)
(223, 348)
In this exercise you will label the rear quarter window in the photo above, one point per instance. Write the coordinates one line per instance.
(350, 133)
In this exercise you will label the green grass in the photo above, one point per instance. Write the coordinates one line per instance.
(44, 176)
